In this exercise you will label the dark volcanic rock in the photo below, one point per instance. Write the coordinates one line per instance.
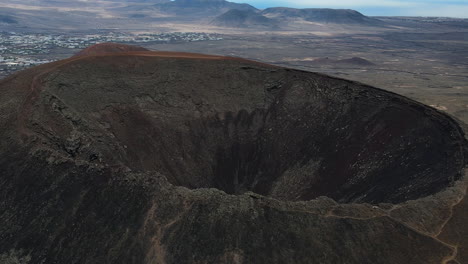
(157, 157)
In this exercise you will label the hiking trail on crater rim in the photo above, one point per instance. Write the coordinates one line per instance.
(124, 155)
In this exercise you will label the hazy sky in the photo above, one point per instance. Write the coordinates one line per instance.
(378, 7)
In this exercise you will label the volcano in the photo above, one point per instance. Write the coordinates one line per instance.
(243, 19)
(124, 155)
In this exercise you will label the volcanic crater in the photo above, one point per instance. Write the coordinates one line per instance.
(120, 129)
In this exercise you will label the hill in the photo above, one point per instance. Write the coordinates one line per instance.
(353, 61)
(8, 19)
(321, 15)
(208, 8)
(243, 19)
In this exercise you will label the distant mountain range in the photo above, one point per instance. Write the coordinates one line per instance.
(277, 16)
(140, 13)
(201, 7)
(229, 14)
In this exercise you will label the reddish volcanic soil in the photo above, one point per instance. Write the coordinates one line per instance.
(113, 49)
(106, 48)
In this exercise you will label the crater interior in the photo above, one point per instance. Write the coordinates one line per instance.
(240, 126)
